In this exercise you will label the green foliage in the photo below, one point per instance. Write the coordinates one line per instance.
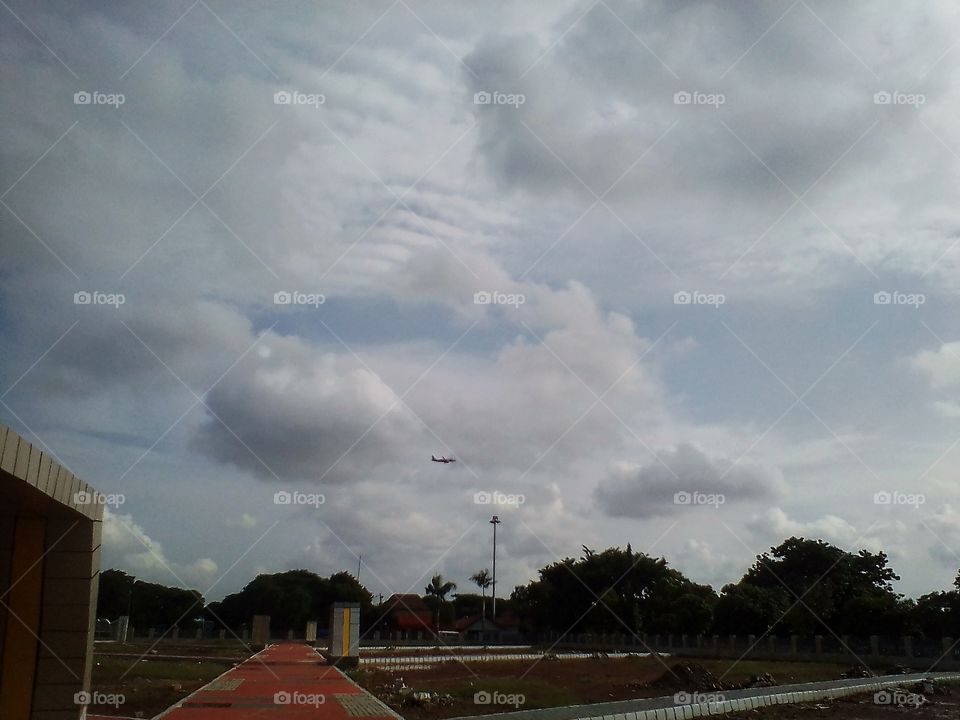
(291, 599)
(114, 594)
(822, 590)
(614, 591)
(159, 606)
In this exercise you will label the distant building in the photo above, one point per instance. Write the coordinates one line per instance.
(407, 614)
(473, 628)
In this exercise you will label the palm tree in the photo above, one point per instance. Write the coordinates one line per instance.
(439, 588)
(482, 581)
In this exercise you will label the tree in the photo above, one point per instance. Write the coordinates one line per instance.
(439, 589)
(748, 610)
(827, 589)
(618, 591)
(293, 598)
(482, 580)
(114, 594)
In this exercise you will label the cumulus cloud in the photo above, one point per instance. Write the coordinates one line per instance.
(292, 412)
(652, 489)
(127, 545)
(400, 198)
(940, 367)
(888, 535)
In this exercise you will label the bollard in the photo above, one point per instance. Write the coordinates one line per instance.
(908, 645)
(818, 644)
(875, 645)
(793, 644)
(771, 643)
(261, 630)
(344, 635)
(223, 634)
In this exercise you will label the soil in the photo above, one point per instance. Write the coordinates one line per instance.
(568, 682)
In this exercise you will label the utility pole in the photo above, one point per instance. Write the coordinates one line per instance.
(495, 521)
(359, 560)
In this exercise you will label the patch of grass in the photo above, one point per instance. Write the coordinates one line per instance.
(220, 648)
(109, 670)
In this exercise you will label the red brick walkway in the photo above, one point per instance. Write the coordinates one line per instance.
(289, 681)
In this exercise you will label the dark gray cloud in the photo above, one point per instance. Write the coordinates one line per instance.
(683, 479)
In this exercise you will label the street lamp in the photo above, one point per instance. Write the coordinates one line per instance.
(127, 635)
(495, 521)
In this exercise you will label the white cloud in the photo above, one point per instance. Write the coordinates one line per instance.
(245, 521)
(128, 547)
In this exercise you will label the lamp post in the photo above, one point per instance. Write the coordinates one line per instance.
(127, 635)
(495, 521)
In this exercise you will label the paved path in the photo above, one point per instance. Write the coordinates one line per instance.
(289, 681)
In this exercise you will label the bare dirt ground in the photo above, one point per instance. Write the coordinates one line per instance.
(567, 682)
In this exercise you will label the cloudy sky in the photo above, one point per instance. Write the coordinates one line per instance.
(679, 274)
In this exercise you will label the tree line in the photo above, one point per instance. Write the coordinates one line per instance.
(800, 587)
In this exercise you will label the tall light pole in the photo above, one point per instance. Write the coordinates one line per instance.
(495, 521)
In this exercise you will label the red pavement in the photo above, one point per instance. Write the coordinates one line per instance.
(289, 681)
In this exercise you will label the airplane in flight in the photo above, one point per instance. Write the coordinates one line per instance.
(442, 459)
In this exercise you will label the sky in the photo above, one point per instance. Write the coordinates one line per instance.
(675, 274)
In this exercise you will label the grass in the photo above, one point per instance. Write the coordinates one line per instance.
(112, 670)
(219, 648)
